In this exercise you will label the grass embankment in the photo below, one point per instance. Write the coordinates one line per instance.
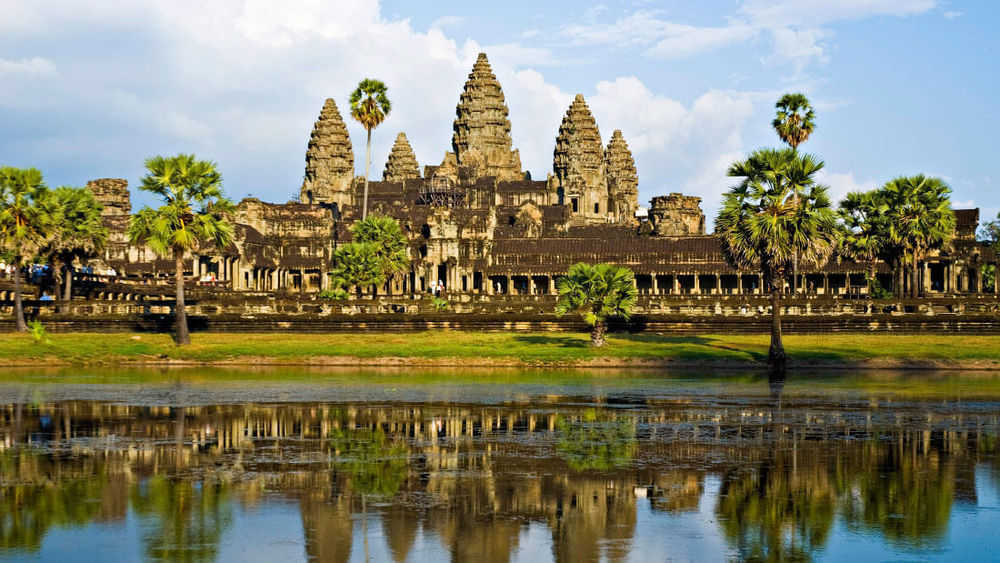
(467, 348)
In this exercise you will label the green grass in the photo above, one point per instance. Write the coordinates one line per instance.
(540, 348)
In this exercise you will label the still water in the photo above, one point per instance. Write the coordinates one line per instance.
(327, 465)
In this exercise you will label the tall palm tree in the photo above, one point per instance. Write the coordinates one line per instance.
(596, 292)
(763, 225)
(26, 223)
(80, 234)
(794, 121)
(195, 215)
(369, 107)
(865, 218)
(920, 219)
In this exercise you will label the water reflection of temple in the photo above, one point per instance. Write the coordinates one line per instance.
(475, 476)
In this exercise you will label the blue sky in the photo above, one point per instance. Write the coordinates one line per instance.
(900, 86)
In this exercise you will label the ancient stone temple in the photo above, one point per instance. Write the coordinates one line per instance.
(482, 130)
(402, 163)
(479, 225)
(329, 160)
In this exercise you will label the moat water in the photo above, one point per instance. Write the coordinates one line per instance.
(494, 465)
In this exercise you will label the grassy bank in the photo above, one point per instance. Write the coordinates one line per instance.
(466, 348)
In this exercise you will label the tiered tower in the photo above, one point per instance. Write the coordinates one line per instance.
(578, 163)
(329, 160)
(623, 182)
(482, 130)
(402, 163)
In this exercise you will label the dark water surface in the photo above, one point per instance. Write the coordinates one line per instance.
(468, 465)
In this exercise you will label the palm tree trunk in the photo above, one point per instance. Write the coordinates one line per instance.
(900, 266)
(19, 323)
(183, 337)
(776, 354)
(597, 334)
(915, 277)
(68, 293)
(368, 161)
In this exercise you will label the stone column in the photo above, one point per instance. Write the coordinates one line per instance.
(826, 284)
(979, 280)
(926, 272)
(718, 284)
(697, 285)
(531, 284)
(739, 283)
(676, 284)
(656, 286)
(552, 284)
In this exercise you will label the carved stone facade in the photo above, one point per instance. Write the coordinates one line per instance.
(329, 160)
(402, 163)
(676, 215)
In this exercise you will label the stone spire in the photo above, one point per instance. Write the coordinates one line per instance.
(402, 163)
(579, 151)
(578, 163)
(482, 130)
(329, 160)
(623, 182)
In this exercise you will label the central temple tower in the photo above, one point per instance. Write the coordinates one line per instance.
(481, 136)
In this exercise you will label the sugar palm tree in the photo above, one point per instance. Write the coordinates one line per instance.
(794, 121)
(388, 242)
(194, 215)
(369, 107)
(26, 223)
(763, 225)
(596, 292)
(920, 218)
(865, 239)
(80, 233)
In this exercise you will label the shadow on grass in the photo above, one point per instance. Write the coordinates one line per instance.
(694, 346)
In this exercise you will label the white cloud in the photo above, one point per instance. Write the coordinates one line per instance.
(35, 66)
(952, 14)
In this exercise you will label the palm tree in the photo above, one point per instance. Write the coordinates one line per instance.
(369, 107)
(597, 292)
(26, 223)
(794, 122)
(866, 225)
(388, 243)
(195, 214)
(80, 234)
(763, 225)
(920, 219)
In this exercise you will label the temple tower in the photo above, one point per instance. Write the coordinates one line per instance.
(623, 182)
(402, 163)
(329, 160)
(676, 215)
(578, 164)
(482, 130)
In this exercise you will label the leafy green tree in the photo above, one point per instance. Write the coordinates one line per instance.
(194, 215)
(920, 220)
(865, 218)
(596, 292)
(356, 265)
(794, 121)
(26, 223)
(369, 106)
(762, 224)
(989, 232)
(80, 233)
(388, 241)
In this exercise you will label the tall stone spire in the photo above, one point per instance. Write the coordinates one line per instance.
(329, 160)
(623, 182)
(482, 130)
(402, 163)
(578, 162)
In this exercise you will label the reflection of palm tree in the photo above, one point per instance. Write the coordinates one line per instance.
(377, 467)
(776, 513)
(189, 517)
(598, 442)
